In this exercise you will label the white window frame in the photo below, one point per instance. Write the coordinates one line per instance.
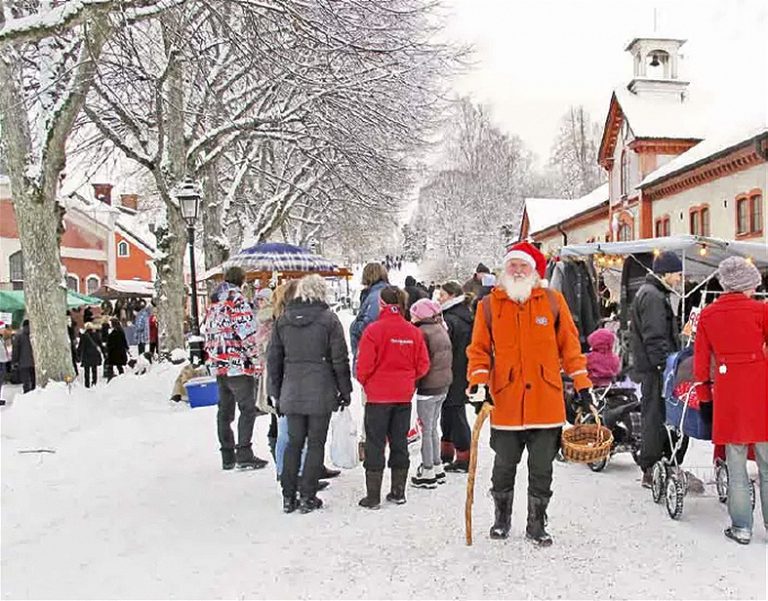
(98, 282)
(76, 278)
(127, 249)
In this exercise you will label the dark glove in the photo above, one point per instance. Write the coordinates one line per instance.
(476, 400)
(585, 400)
(343, 401)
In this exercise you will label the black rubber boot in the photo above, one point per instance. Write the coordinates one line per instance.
(228, 459)
(503, 514)
(399, 479)
(290, 504)
(537, 520)
(327, 473)
(246, 460)
(372, 498)
(309, 504)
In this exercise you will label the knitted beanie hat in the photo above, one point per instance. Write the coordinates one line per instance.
(425, 308)
(738, 275)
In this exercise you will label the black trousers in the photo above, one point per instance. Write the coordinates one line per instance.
(91, 373)
(542, 445)
(655, 442)
(387, 422)
(153, 348)
(142, 347)
(111, 371)
(314, 430)
(455, 427)
(27, 376)
(236, 391)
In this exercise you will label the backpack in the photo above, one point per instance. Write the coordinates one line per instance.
(554, 306)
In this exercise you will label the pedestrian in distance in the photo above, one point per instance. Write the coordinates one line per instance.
(90, 353)
(117, 349)
(23, 359)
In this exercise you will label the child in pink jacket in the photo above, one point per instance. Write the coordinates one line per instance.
(603, 364)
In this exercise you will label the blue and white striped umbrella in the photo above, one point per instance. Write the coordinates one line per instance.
(274, 256)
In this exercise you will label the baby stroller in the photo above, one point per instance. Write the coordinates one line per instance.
(619, 410)
(685, 416)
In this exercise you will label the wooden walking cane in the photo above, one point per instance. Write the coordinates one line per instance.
(485, 411)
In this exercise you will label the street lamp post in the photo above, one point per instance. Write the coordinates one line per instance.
(188, 195)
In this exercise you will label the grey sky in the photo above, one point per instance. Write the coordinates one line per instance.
(534, 58)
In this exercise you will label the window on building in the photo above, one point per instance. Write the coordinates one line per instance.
(625, 232)
(663, 226)
(624, 173)
(756, 213)
(749, 214)
(92, 284)
(73, 283)
(699, 222)
(742, 216)
(122, 249)
(16, 269)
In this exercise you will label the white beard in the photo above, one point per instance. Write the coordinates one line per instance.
(519, 289)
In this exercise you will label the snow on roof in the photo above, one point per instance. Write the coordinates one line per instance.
(544, 213)
(660, 116)
(712, 145)
(132, 287)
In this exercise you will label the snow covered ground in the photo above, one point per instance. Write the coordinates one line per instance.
(133, 504)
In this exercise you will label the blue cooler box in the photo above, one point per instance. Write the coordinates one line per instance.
(202, 392)
(695, 424)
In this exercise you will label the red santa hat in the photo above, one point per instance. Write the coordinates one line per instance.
(525, 251)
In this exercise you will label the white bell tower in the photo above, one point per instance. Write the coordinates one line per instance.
(656, 67)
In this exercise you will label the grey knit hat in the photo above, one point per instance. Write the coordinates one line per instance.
(738, 275)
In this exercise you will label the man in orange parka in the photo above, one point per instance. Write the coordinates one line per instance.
(519, 356)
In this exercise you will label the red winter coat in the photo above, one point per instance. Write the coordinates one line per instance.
(730, 337)
(391, 358)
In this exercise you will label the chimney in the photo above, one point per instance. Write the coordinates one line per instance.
(103, 193)
(130, 201)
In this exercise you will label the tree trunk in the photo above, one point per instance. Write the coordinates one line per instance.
(171, 292)
(38, 233)
(216, 251)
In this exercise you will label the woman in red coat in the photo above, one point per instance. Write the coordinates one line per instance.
(391, 358)
(730, 339)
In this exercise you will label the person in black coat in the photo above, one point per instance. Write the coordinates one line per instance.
(89, 351)
(653, 337)
(117, 349)
(22, 357)
(414, 294)
(308, 378)
(455, 443)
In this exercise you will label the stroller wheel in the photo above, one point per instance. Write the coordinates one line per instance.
(598, 466)
(721, 481)
(675, 494)
(658, 481)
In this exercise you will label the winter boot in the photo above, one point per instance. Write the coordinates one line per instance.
(439, 473)
(424, 478)
(397, 492)
(290, 504)
(537, 520)
(372, 498)
(647, 481)
(447, 451)
(246, 460)
(309, 504)
(503, 514)
(461, 465)
(327, 473)
(228, 459)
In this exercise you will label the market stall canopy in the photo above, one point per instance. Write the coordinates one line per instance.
(125, 289)
(13, 300)
(263, 261)
(702, 254)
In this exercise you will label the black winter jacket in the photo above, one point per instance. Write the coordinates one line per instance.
(89, 349)
(21, 354)
(652, 329)
(414, 293)
(308, 361)
(117, 347)
(459, 320)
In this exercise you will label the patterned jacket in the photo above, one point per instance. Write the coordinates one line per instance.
(231, 328)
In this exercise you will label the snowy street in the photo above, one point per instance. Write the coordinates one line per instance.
(133, 504)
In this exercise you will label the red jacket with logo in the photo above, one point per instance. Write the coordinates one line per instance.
(392, 357)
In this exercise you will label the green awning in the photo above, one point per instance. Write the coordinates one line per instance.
(13, 300)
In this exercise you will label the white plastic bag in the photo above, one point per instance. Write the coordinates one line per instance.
(343, 440)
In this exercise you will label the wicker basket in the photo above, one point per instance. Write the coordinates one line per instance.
(587, 443)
